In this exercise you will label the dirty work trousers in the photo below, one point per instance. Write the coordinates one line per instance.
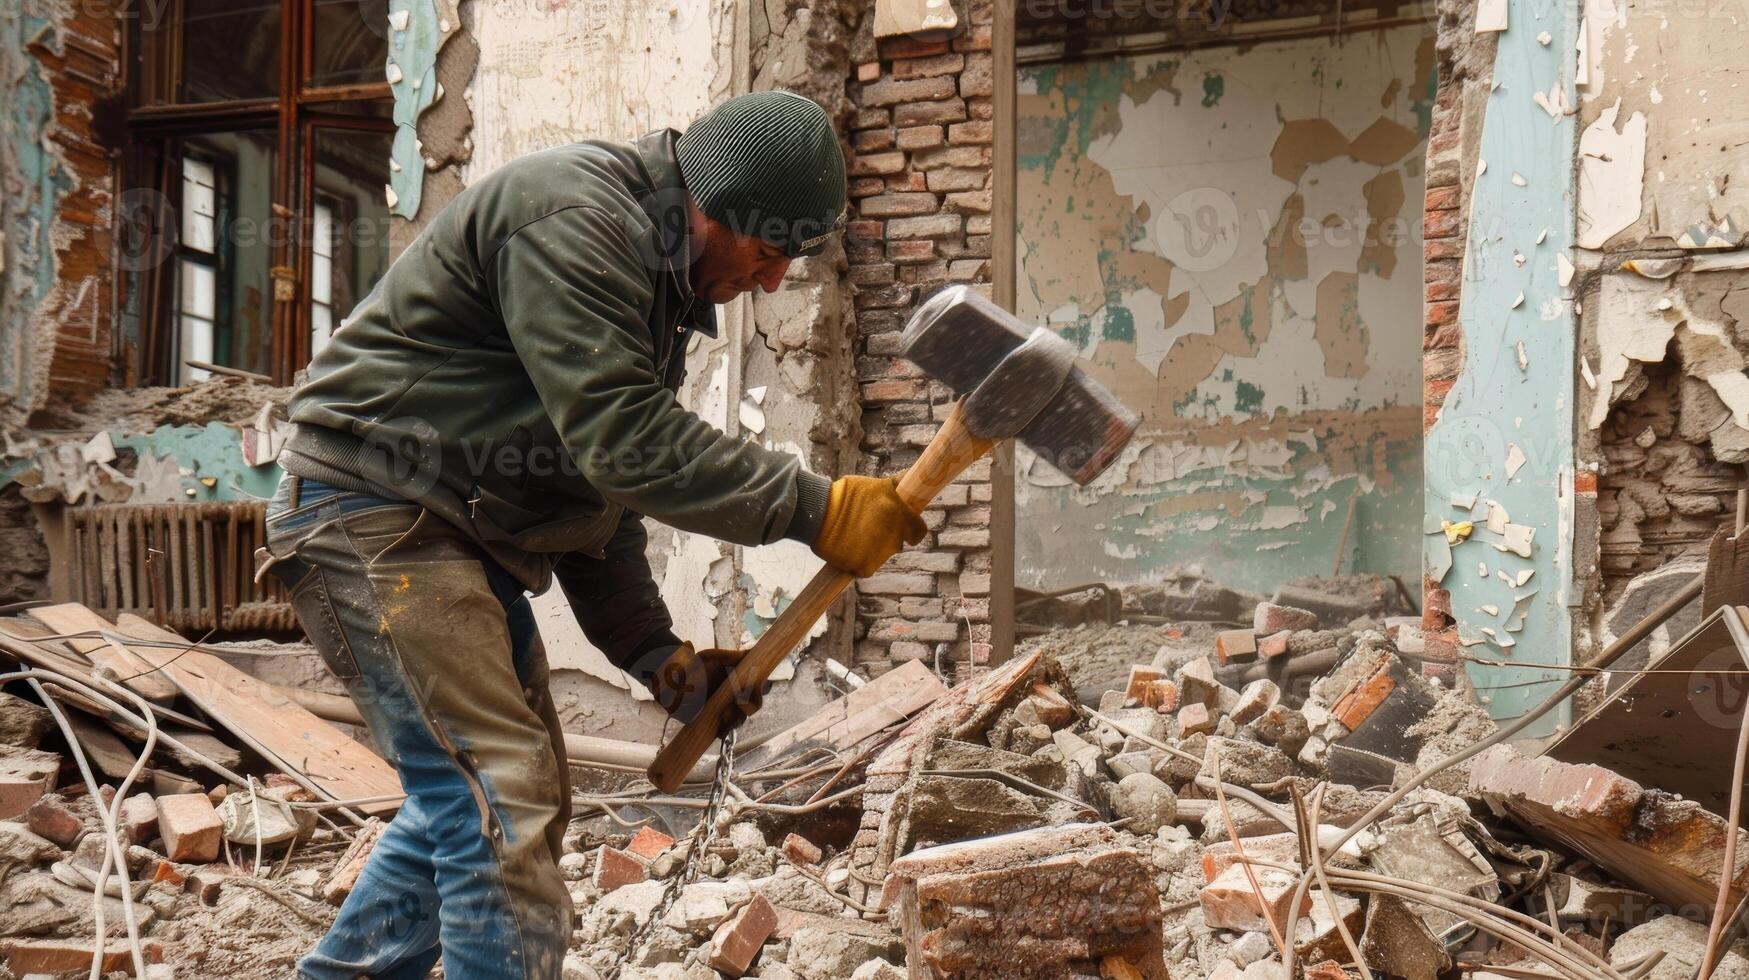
(437, 646)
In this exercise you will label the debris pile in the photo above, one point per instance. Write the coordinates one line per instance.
(1286, 790)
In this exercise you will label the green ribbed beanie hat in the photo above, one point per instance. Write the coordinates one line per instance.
(767, 164)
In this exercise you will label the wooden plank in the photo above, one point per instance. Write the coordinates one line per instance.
(16, 641)
(106, 752)
(71, 617)
(287, 734)
(891, 697)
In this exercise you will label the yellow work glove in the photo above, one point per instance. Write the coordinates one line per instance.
(687, 678)
(866, 523)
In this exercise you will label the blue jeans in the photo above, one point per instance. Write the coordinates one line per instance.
(438, 648)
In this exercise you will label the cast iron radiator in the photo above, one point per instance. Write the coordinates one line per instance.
(186, 566)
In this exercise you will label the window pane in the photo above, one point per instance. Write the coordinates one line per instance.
(351, 42)
(321, 328)
(219, 51)
(242, 168)
(198, 205)
(349, 250)
(198, 295)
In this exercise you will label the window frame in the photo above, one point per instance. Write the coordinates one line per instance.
(155, 136)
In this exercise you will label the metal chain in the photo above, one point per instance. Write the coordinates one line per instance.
(698, 847)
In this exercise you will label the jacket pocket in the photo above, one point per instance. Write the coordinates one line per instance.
(499, 520)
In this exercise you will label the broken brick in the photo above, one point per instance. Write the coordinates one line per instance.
(351, 864)
(1353, 708)
(801, 850)
(1274, 645)
(1193, 719)
(615, 868)
(190, 827)
(1271, 617)
(49, 956)
(740, 937)
(139, 818)
(1235, 646)
(1142, 678)
(1257, 697)
(649, 843)
(1230, 902)
(1196, 682)
(54, 818)
(26, 775)
(1053, 709)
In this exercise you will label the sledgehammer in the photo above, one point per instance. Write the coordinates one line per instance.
(1015, 384)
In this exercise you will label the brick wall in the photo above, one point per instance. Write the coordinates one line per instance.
(920, 175)
(1443, 229)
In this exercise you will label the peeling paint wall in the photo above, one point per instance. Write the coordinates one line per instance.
(1499, 515)
(1663, 205)
(58, 73)
(1229, 235)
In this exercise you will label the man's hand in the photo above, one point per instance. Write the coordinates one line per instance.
(866, 523)
(687, 678)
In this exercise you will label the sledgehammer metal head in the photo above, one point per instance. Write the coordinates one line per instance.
(1018, 383)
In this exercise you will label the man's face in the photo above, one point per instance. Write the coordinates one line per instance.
(726, 264)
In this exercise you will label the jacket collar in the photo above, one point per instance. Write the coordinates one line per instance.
(665, 203)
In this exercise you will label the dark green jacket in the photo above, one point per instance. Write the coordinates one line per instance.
(514, 372)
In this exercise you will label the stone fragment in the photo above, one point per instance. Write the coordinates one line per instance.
(351, 864)
(821, 952)
(55, 818)
(878, 970)
(738, 940)
(1146, 801)
(1062, 894)
(801, 850)
(1196, 682)
(1194, 719)
(20, 846)
(1255, 698)
(1245, 762)
(1272, 617)
(615, 868)
(1230, 902)
(1282, 727)
(1683, 944)
(1315, 934)
(26, 775)
(190, 827)
(1052, 708)
(1398, 942)
(22, 723)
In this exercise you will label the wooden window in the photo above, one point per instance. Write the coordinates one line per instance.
(265, 125)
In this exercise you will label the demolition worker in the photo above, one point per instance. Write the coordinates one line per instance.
(499, 413)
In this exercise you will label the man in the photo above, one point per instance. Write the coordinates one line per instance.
(498, 413)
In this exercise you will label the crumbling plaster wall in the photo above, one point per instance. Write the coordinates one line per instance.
(1663, 204)
(1623, 336)
(58, 72)
(532, 75)
(1226, 234)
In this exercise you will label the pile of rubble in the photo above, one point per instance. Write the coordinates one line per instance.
(1299, 795)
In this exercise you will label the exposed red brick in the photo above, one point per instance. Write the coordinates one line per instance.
(892, 91)
(865, 186)
(1441, 313)
(52, 956)
(1442, 198)
(868, 71)
(877, 163)
(1230, 902)
(615, 868)
(1235, 646)
(740, 937)
(801, 850)
(1440, 224)
(872, 140)
(649, 843)
(1194, 718)
(911, 47)
(1257, 697)
(139, 818)
(1273, 645)
(930, 113)
(921, 137)
(26, 775)
(190, 827)
(1272, 617)
(1353, 708)
(51, 817)
(1141, 683)
(971, 132)
(870, 118)
(939, 64)
(913, 250)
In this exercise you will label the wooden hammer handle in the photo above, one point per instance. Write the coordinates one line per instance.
(952, 450)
